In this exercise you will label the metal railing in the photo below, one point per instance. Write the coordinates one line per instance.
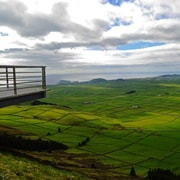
(21, 79)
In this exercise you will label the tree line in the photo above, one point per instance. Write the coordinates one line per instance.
(157, 174)
(18, 142)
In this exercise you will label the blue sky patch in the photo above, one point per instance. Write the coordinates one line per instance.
(3, 34)
(139, 45)
(118, 22)
(162, 16)
(118, 2)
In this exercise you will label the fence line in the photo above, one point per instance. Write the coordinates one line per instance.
(18, 78)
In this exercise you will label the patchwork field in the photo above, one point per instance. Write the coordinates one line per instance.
(109, 127)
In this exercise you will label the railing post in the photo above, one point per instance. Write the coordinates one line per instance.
(44, 77)
(7, 78)
(14, 80)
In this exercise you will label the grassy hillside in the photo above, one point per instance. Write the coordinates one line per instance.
(109, 126)
(14, 167)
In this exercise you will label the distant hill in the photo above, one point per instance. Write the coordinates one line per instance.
(174, 77)
(168, 77)
(93, 81)
(97, 80)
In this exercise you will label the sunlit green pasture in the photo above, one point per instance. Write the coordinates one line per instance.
(140, 129)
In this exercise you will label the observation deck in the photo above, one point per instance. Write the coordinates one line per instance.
(21, 83)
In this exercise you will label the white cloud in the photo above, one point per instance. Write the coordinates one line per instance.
(72, 34)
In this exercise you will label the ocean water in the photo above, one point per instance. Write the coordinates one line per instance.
(55, 78)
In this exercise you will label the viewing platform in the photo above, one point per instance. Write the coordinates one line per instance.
(21, 83)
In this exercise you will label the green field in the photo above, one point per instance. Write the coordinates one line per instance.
(129, 123)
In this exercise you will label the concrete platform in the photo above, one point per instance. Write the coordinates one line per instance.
(21, 83)
(7, 97)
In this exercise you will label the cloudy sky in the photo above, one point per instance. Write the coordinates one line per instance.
(92, 38)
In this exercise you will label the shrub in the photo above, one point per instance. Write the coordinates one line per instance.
(84, 142)
(132, 172)
(161, 174)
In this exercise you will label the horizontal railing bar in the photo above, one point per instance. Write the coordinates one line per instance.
(25, 82)
(11, 66)
(21, 88)
(3, 78)
(21, 78)
(28, 82)
(29, 87)
(5, 72)
(9, 89)
(27, 72)
(20, 72)
(27, 77)
(3, 85)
